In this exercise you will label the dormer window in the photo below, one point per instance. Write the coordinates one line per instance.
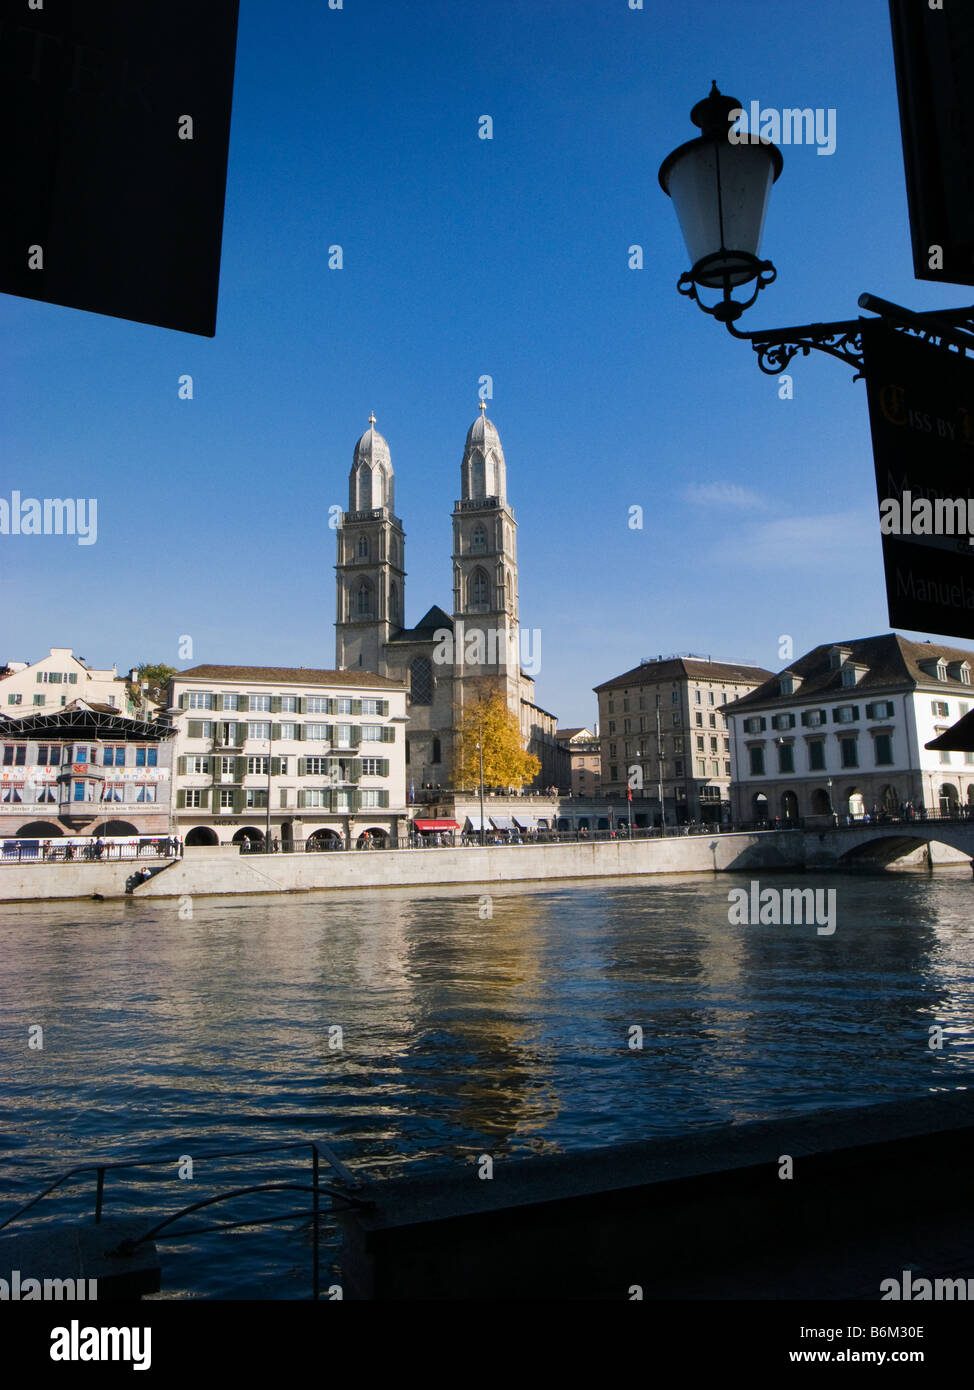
(788, 683)
(960, 671)
(852, 675)
(838, 656)
(941, 670)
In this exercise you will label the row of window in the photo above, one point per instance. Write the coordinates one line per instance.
(282, 704)
(342, 735)
(211, 764)
(678, 747)
(40, 701)
(54, 754)
(650, 775)
(843, 714)
(57, 678)
(848, 755)
(674, 700)
(238, 799)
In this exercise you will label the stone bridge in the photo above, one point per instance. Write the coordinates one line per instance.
(904, 844)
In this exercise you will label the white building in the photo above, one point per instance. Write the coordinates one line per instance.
(47, 685)
(843, 729)
(313, 756)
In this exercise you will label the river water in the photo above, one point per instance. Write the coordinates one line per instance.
(469, 1025)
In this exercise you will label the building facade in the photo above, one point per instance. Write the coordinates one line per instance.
(306, 756)
(53, 682)
(662, 726)
(584, 761)
(447, 660)
(842, 731)
(85, 771)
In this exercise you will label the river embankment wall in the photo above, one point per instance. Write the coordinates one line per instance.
(207, 871)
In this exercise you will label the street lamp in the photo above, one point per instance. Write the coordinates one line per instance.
(720, 185)
(720, 191)
(831, 805)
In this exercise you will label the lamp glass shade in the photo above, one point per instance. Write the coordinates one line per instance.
(720, 192)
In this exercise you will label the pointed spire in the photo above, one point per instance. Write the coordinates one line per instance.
(372, 418)
(483, 406)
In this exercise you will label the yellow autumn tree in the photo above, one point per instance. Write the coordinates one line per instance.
(506, 762)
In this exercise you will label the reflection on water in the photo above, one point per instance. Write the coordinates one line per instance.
(462, 1033)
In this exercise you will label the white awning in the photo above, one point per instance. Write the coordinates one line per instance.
(525, 820)
(475, 822)
(502, 823)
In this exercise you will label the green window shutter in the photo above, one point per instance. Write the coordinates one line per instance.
(196, 728)
(275, 767)
(384, 707)
(388, 733)
(870, 711)
(40, 678)
(238, 800)
(184, 699)
(356, 706)
(301, 763)
(180, 765)
(275, 732)
(383, 767)
(353, 769)
(384, 797)
(355, 801)
(855, 711)
(243, 703)
(284, 798)
(299, 732)
(301, 705)
(356, 735)
(332, 706)
(216, 801)
(239, 769)
(180, 801)
(275, 704)
(302, 802)
(330, 733)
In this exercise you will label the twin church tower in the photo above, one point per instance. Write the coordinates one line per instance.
(446, 661)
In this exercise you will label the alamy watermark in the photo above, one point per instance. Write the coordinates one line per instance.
(488, 646)
(23, 1289)
(789, 126)
(776, 907)
(50, 516)
(907, 515)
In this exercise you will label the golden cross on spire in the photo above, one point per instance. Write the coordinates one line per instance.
(483, 405)
(372, 418)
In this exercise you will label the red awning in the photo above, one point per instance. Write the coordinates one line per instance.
(436, 825)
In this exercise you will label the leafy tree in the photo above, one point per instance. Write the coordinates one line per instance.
(156, 677)
(506, 762)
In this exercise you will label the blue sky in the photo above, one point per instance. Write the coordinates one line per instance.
(465, 257)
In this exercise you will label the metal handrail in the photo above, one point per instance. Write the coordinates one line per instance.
(319, 1149)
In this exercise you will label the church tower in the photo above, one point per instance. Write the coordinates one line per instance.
(371, 547)
(485, 617)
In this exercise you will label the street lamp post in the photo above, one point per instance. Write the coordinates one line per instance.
(831, 803)
(720, 184)
(480, 755)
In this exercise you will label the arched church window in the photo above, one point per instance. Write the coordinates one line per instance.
(421, 680)
(363, 600)
(436, 751)
(394, 603)
(363, 547)
(478, 538)
(364, 488)
(478, 590)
